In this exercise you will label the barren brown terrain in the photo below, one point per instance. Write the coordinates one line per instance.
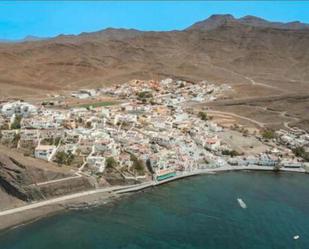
(19, 176)
(257, 58)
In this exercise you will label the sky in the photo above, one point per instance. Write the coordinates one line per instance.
(51, 18)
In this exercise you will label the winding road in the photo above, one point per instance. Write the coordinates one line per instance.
(260, 124)
(251, 80)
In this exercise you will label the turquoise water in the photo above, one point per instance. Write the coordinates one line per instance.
(200, 212)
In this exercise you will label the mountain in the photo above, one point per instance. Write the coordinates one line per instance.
(25, 39)
(213, 22)
(221, 48)
(216, 21)
(32, 38)
(259, 22)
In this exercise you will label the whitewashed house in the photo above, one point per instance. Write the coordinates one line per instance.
(214, 127)
(97, 163)
(105, 112)
(84, 93)
(29, 135)
(128, 118)
(70, 148)
(212, 143)
(18, 108)
(45, 152)
(80, 95)
(166, 81)
(8, 135)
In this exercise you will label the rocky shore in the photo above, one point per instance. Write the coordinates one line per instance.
(11, 221)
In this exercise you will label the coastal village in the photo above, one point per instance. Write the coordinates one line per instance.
(151, 130)
(154, 124)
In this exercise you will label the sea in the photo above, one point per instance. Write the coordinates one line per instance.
(194, 213)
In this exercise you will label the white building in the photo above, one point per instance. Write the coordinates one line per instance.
(8, 135)
(29, 135)
(212, 143)
(45, 152)
(166, 81)
(80, 95)
(214, 127)
(18, 108)
(128, 118)
(90, 92)
(84, 93)
(97, 163)
(70, 148)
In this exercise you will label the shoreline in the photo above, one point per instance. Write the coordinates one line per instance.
(16, 217)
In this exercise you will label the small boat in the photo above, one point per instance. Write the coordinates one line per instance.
(241, 203)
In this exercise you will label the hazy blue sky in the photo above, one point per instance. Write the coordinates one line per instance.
(18, 19)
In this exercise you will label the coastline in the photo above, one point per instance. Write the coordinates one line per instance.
(13, 218)
(12, 221)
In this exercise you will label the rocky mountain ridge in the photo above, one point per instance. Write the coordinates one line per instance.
(216, 21)
(220, 49)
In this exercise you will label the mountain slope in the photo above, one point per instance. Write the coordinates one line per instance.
(215, 21)
(19, 176)
(222, 49)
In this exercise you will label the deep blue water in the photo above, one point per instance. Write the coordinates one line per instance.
(200, 212)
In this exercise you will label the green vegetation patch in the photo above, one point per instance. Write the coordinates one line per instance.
(144, 95)
(16, 124)
(110, 163)
(203, 116)
(64, 158)
(268, 134)
(231, 153)
(300, 152)
(98, 104)
(138, 164)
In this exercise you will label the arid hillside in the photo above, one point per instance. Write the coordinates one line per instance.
(19, 176)
(228, 51)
